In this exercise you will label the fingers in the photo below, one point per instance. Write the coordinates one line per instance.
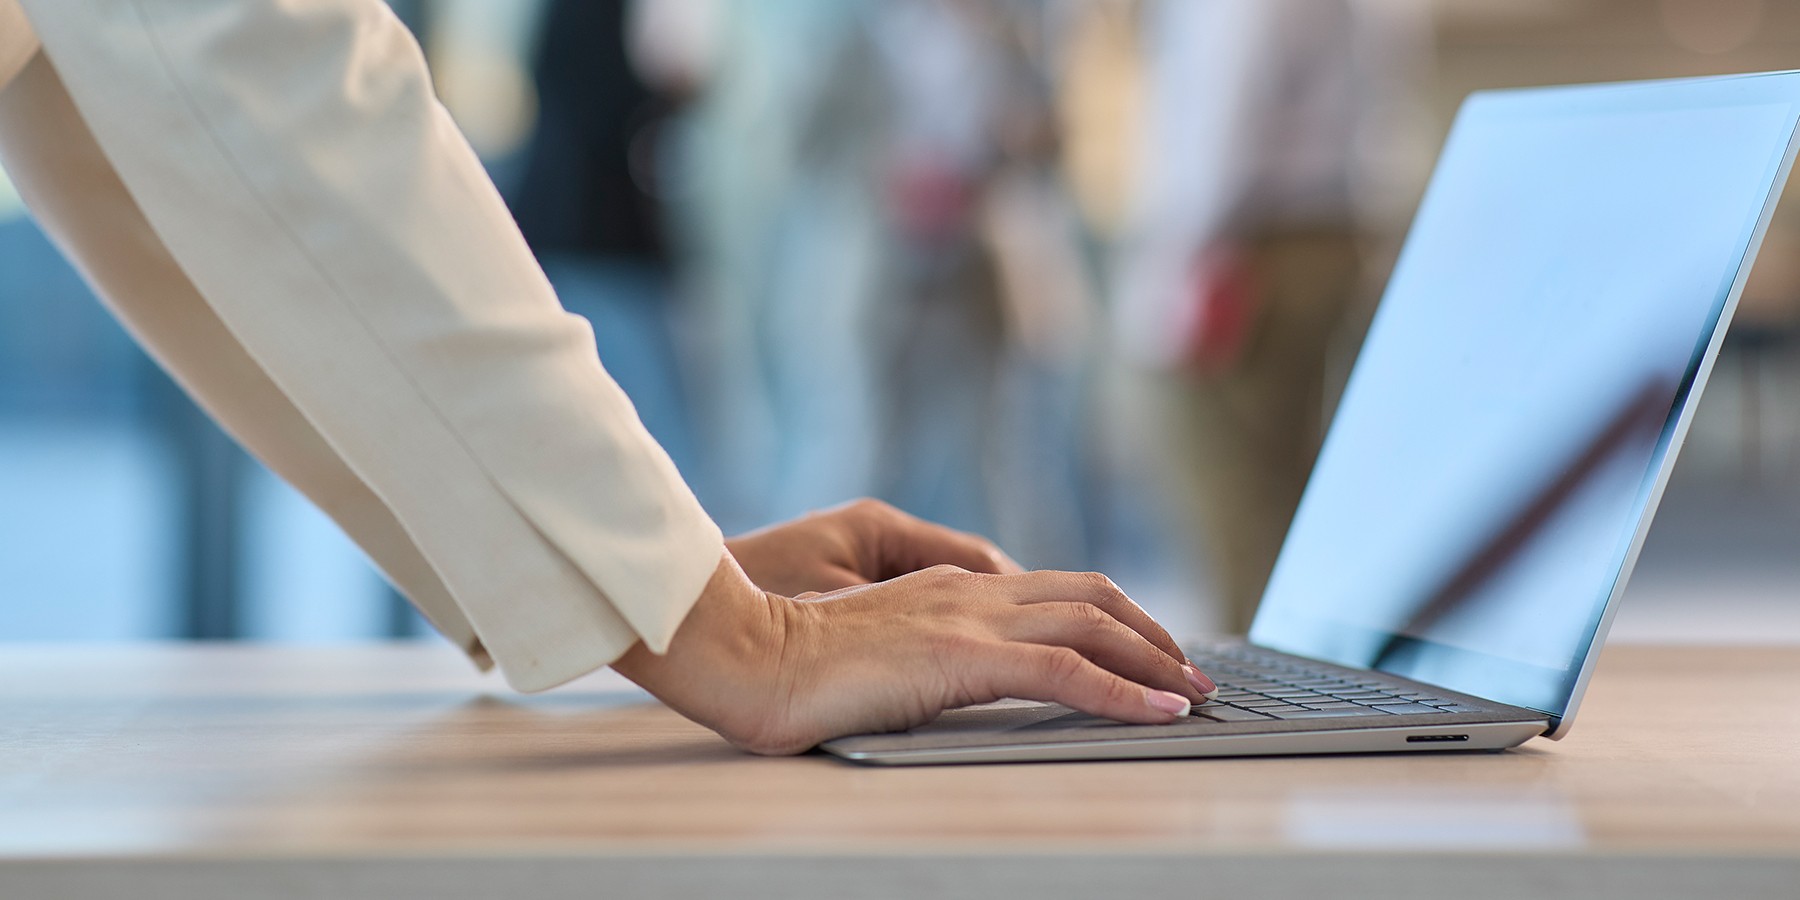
(1061, 675)
(1098, 590)
(904, 543)
(1106, 642)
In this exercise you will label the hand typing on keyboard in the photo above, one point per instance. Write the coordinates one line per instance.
(892, 655)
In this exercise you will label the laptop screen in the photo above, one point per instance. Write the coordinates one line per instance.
(1505, 433)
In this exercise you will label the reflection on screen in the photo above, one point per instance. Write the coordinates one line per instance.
(1495, 449)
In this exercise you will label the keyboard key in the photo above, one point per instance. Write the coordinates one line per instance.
(1406, 709)
(1228, 714)
(1255, 679)
(1277, 710)
(1326, 713)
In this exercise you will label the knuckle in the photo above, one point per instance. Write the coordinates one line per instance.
(1119, 691)
(1109, 596)
(1102, 586)
(868, 506)
(1060, 666)
(1089, 616)
(947, 573)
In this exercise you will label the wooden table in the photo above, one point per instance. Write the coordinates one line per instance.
(394, 771)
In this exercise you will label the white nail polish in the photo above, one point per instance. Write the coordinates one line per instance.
(1164, 701)
(1193, 677)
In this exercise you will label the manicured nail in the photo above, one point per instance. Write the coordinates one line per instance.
(1163, 701)
(1201, 683)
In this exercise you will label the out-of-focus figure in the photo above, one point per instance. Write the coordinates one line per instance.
(890, 273)
(986, 333)
(587, 202)
(779, 223)
(902, 221)
(939, 326)
(1252, 147)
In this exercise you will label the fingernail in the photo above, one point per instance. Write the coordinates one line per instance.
(1201, 683)
(1165, 702)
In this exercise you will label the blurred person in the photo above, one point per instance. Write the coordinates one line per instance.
(940, 327)
(986, 338)
(1046, 485)
(587, 203)
(272, 200)
(877, 197)
(1264, 142)
(779, 229)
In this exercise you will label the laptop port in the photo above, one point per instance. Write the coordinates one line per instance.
(1435, 738)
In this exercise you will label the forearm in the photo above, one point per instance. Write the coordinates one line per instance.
(294, 162)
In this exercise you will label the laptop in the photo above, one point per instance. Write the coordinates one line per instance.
(1491, 471)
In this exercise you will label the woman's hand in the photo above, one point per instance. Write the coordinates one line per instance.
(776, 675)
(857, 543)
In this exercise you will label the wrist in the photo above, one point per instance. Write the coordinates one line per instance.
(729, 622)
(722, 665)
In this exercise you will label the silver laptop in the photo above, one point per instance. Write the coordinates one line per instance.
(1492, 468)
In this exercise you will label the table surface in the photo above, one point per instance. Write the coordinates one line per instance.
(224, 755)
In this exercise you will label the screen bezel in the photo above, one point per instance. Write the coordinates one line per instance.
(1671, 95)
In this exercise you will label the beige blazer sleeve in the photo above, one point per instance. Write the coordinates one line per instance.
(271, 199)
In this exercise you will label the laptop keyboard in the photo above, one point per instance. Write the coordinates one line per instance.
(1255, 685)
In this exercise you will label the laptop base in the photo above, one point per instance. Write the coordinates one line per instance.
(1403, 739)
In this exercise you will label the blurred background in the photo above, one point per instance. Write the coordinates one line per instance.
(1083, 276)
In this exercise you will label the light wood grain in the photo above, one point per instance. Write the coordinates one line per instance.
(371, 754)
